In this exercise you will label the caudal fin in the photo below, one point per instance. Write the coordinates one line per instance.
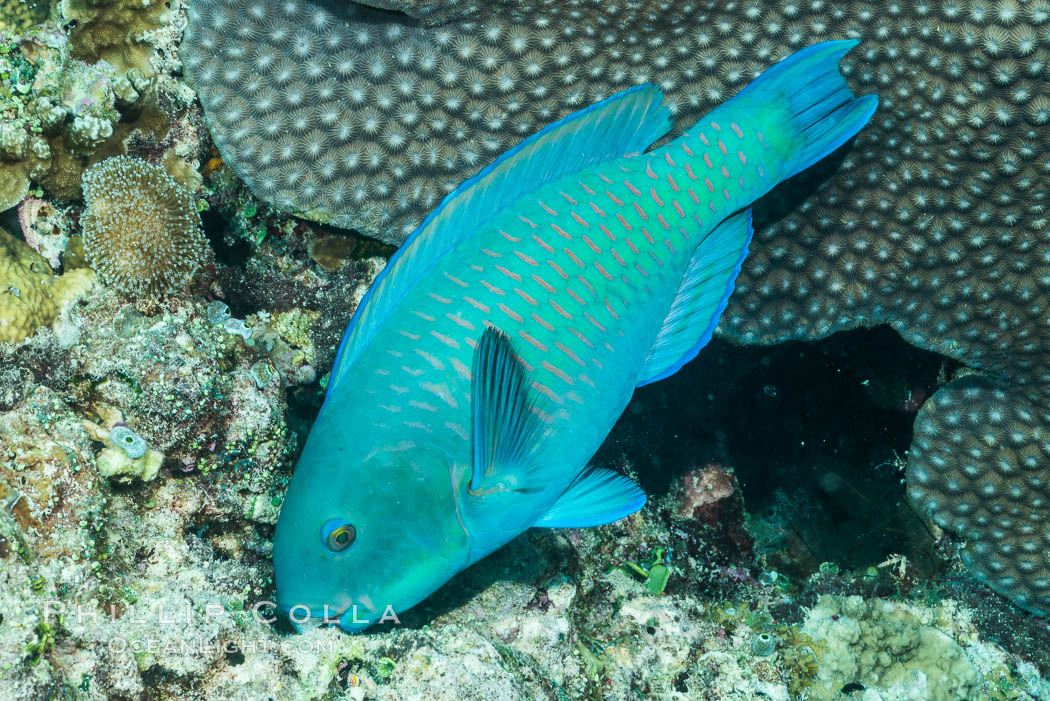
(822, 113)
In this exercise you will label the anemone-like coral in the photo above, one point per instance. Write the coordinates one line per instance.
(141, 229)
(934, 221)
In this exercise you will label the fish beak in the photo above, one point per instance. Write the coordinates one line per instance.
(357, 618)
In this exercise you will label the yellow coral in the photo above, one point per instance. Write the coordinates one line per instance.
(30, 295)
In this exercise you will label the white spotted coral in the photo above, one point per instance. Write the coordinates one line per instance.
(141, 229)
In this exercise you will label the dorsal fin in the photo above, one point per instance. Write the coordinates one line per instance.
(701, 298)
(627, 122)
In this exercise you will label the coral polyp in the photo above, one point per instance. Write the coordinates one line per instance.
(141, 229)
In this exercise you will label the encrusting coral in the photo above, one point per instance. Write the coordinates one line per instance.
(30, 295)
(934, 221)
(141, 229)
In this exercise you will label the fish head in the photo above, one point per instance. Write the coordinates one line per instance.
(366, 530)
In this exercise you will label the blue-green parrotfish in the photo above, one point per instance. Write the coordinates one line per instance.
(502, 341)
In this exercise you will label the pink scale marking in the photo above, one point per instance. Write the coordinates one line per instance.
(526, 259)
(569, 353)
(541, 242)
(456, 280)
(542, 322)
(476, 304)
(543, 282)
(557, 269)
(509, 312)
(558, 308)
(492, 288)
(558, 372)
(509, 273)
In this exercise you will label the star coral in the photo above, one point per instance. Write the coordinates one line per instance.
(141, 229)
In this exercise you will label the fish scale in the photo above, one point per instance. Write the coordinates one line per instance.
(570, 259)
(501, 343)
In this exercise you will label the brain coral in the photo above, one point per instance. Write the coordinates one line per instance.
(934, 221)
(141, 230)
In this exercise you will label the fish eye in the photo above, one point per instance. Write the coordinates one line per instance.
(338, 534)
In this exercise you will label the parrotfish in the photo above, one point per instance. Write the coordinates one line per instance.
(502, 341)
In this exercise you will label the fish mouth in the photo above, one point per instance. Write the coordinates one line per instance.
(352, 618)
(302, 613)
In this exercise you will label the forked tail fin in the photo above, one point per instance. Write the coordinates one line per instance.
(821, 112)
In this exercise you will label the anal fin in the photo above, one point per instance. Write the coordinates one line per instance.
(702, 296)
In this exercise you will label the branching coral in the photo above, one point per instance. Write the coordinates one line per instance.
(141, 230)
(934, 221)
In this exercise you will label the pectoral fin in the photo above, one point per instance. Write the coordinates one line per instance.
(506, 430)
(595, 497)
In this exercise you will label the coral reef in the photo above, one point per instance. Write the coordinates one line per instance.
(145, 447)
(933, 222)
(141, 229)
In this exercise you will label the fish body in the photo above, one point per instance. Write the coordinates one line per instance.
(503, 341)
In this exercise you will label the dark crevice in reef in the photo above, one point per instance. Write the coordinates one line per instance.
(230, 250)
(817, 434)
